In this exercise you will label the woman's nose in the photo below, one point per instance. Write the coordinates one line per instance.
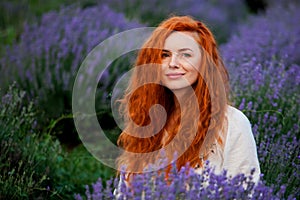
(174, 62)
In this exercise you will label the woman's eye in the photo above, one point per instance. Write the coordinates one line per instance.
(186, 55)
(165, 55)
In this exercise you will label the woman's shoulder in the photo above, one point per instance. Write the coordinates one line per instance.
(239, 133)
(235, 116)
(238, 124)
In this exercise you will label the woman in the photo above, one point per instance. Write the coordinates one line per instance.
(180, 69)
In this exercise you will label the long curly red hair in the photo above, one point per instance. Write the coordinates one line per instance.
(202, 129)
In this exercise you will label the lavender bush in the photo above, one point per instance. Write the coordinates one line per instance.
(25, 171)
(268, 37)
(33, 164)
(46, 59)
(264, 63)
(185, 184)
(222, 16)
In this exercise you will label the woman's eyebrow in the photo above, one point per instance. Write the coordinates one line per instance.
(180, 50)
(185, 49)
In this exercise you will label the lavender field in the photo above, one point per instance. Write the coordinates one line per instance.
(42, 156)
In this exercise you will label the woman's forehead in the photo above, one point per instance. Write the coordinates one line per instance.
(181, 40)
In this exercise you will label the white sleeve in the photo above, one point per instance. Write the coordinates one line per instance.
(240, 154)
(121, 183)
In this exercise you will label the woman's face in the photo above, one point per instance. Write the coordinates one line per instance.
(181, 60)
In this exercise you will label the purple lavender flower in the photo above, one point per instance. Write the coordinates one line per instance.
(78, 197)
(189, 185)
(88, 193)
(108, 193)
(97, 190)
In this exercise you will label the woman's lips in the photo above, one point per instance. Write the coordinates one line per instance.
(174, 75)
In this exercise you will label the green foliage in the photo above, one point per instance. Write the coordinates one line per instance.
(34, 164)
(77, 169)
(25, 161)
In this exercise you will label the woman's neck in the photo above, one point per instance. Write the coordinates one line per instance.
(180, 94)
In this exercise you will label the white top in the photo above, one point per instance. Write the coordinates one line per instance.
(240, 154)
